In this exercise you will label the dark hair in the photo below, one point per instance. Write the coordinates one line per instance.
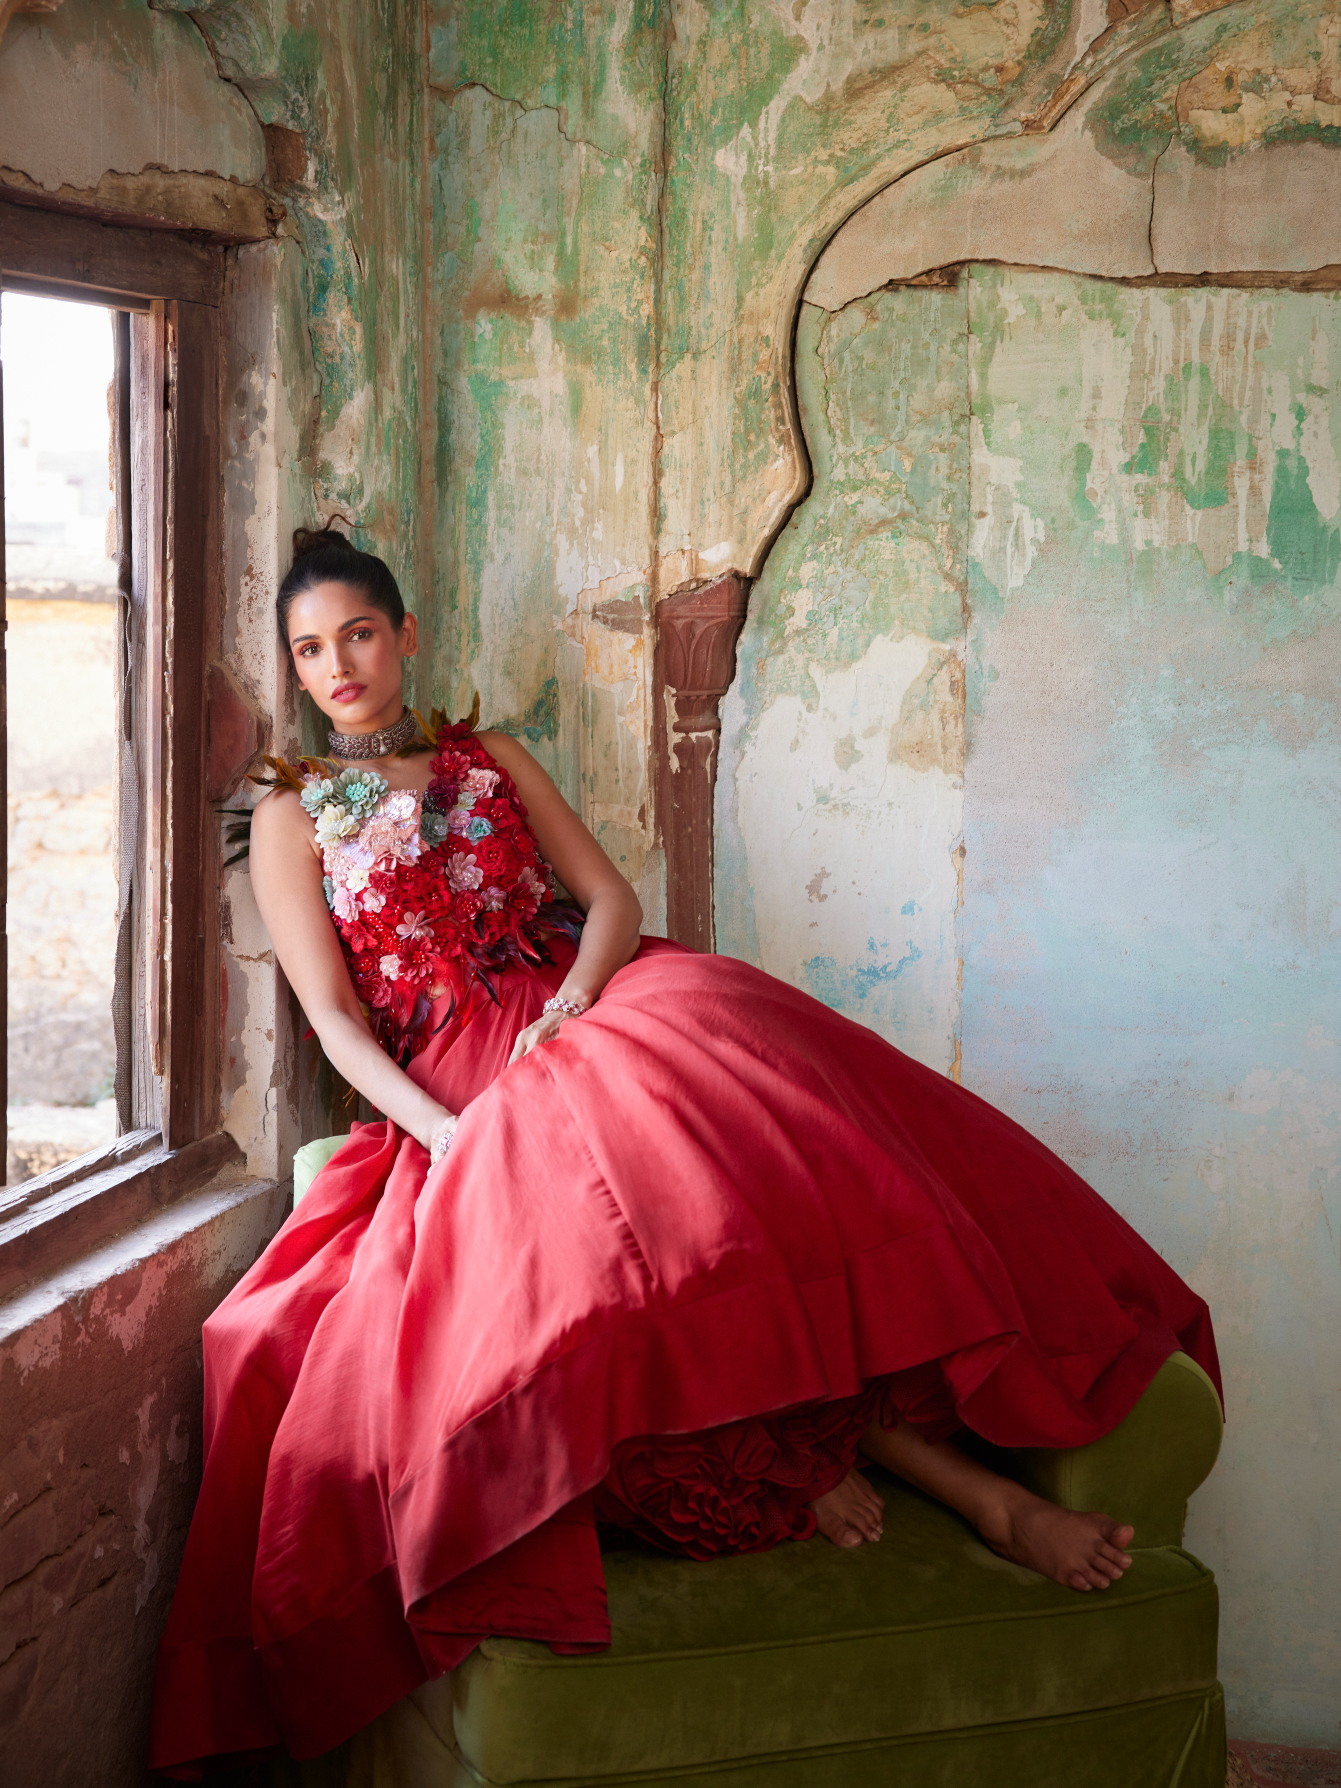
(325, 556)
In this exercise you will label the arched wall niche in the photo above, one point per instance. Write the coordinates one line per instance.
(1180, 145)
(1027, 756)
(1186, 139)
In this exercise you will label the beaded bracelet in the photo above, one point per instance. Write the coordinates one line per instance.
(569, 1008)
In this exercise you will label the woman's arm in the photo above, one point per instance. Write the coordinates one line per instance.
(610, 935)
(286, 877)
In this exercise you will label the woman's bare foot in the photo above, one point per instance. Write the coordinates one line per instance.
(1079, 1550)
(851, 1512)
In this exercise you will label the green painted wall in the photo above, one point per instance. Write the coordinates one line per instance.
(1050, 658)
(346, 75)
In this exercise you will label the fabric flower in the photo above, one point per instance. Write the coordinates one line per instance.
(386, 837)
(493, 857)
(334, 823)
(328, 889)
(361, 790)
(463, 872)
(432, 827)
(420, 917)
(530, 891)
(480, 782)
(316, 795)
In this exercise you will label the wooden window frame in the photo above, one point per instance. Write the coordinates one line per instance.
(168, 288)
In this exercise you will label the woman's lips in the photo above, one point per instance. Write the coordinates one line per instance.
(347, 692)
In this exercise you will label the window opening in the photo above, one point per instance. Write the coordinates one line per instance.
(64, 613)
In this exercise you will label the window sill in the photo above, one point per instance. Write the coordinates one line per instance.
(47, 1222)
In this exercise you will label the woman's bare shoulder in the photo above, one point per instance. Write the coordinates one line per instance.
(502, 745)
(509, 752)
(280, 822)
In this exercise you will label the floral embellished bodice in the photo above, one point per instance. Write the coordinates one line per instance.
(434, 893)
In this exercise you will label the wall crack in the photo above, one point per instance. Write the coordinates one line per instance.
(505, 99)
(1150, 226)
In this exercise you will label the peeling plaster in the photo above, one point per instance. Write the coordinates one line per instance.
(118, 88)
(1123, 891)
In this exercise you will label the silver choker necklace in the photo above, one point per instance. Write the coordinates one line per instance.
(378, 744)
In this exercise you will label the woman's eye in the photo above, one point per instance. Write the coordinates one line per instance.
(361, 633)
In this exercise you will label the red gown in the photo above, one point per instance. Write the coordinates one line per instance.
(708, 1199)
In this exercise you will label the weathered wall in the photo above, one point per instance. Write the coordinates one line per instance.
(119, 88)
(338, 89)
(1152, 972)
(1049, 658)
(543, 209)
(100, 1455)
(625, 201)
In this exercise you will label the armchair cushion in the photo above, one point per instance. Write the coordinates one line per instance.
(926, 1653)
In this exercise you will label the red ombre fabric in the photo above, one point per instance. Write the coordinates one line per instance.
(708, 1199)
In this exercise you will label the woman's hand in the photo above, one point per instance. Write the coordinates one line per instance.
(545, 1027)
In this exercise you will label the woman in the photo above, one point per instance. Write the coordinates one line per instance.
(647, 1238)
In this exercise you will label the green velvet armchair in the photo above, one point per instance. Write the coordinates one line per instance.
(922, 1662)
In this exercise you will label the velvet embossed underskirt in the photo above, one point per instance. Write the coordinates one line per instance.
(741, 1487)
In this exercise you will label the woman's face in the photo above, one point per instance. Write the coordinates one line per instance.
(348, 655)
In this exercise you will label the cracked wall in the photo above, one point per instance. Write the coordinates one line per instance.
(100, 1456)
(1149, 937)
(1047, 660)
(625, 201)
(1048, 656)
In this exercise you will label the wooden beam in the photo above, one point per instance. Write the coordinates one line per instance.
(148, 388)
(192, 1051)
(118, 262)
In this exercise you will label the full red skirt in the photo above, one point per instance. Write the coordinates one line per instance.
(708, 1199)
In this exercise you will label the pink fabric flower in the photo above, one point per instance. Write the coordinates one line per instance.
(479, 783)
(463, 872)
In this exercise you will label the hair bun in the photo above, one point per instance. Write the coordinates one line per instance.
(312, 540)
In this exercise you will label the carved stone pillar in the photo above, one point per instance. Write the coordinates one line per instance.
(697, 630)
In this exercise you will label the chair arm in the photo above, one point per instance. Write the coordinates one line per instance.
(309, 1160)
(1147, 1467)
